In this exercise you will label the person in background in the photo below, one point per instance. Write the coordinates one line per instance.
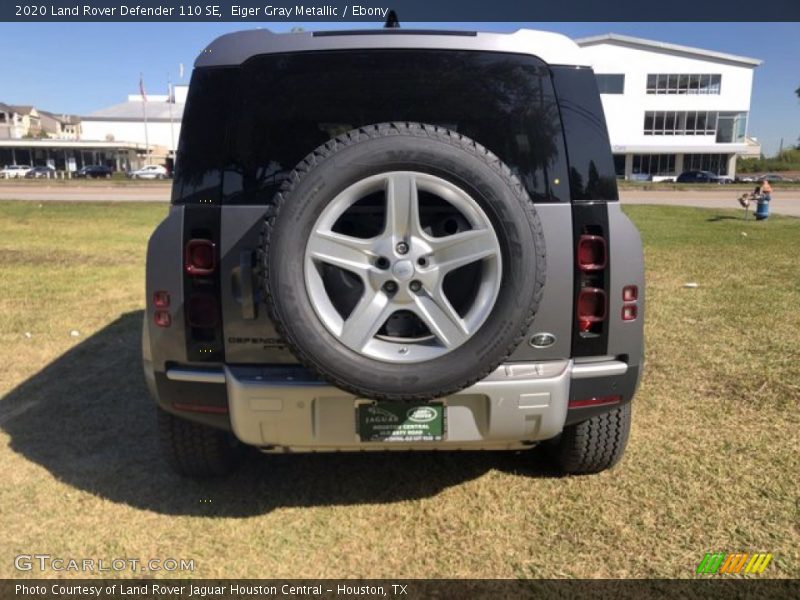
(763, 195)
(765, 189)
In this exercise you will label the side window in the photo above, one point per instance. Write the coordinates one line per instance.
(591, 164)
(203, 143)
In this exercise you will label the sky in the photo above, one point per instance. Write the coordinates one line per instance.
(82, 67)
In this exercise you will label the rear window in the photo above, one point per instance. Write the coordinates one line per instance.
(245, 128)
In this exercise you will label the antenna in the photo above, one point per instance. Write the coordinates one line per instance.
(391, 21)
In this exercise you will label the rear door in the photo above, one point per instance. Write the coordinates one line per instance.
(285, 105)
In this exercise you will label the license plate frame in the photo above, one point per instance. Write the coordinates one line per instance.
(398, 422)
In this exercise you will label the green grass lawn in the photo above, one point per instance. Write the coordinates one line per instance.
(712, 464)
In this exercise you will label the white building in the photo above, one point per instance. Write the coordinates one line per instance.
(669, 109)
(125, 122)
(672, 108)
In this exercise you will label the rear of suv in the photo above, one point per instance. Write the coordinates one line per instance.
(393, 240)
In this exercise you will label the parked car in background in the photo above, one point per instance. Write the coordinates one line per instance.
(698, 177)
(149, 172)
(772, 178)
(725, 179)
(14, 171)
(40, 172)
(94, 172)
(745, 179)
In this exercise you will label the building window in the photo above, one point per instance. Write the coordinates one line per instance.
(653, 164)
(716, 163)
(684, 83)
(672, 122)
(611, 84)
(731, 127)
(619, 165)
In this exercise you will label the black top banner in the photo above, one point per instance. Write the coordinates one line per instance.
(406, 10)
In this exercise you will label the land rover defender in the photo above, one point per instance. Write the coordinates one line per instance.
(393, 240)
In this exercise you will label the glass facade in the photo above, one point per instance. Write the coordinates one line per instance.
(691, 83)
(728, 127)
(731, 127)
(66, 159)
(611, 83)
(654, 164)
(672, 122)
(716, 163)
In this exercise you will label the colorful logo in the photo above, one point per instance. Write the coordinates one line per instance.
(743, 562)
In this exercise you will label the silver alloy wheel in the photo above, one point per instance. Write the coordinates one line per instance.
(412, 279)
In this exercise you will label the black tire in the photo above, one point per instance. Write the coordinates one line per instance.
(197, 450)
(593, 445)
(415, 147)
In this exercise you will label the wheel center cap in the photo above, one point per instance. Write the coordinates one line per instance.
(403, 270)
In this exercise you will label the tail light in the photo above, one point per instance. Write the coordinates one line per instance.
(591, 308)
(629, 312)
(161, 299)
(591, 253)
(200, 258)
(592, 279)
(162, 318)
(202, 311)
(630, 296)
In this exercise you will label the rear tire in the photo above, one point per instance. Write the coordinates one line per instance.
(197, 450)
(593, 445)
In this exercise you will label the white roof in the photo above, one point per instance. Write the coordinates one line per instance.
(627, 40)
(132, 111)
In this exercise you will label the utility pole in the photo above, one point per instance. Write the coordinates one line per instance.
(144, 114)
(170, 102)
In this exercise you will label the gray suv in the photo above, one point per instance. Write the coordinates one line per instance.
(393, 240)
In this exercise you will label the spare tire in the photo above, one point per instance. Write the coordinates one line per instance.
(402, 261)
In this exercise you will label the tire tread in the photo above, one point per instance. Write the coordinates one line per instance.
(196, 450)
(596, 444)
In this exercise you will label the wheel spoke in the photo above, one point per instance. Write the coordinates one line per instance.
(366, 319)
(343, 251)
(441, 318)
(403, 268)
(402, 207)
(454, 251)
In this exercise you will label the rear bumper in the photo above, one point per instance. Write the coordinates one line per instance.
(286, 409)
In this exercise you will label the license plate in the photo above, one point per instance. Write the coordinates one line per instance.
(400, 422)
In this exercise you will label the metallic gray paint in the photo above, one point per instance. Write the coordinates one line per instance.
(627, 268)
(164, 271)
(555, 309)
(240, 231)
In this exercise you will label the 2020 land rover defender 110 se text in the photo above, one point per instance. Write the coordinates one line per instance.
(393, 240)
